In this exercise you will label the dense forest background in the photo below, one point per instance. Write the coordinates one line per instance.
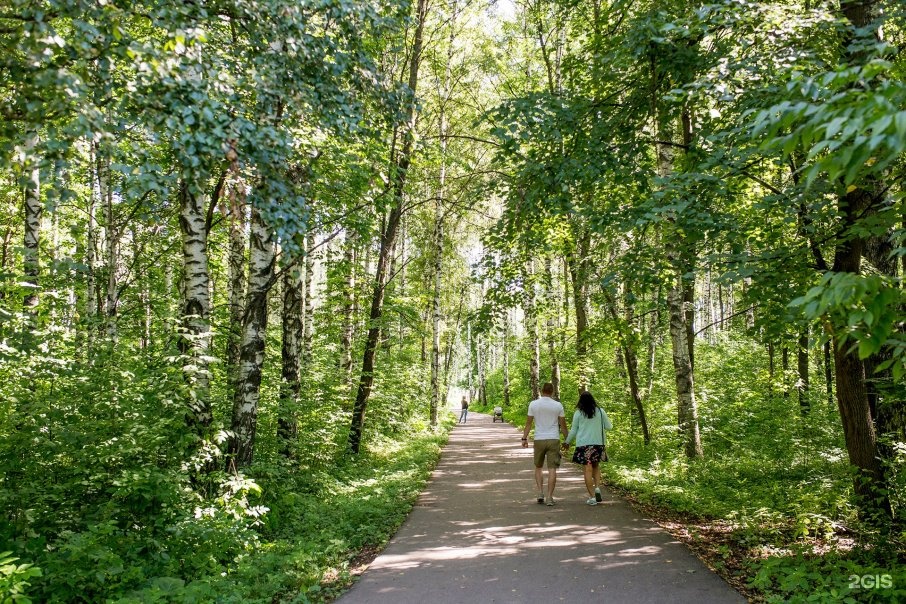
(251, 249)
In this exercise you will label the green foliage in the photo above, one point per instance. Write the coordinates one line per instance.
(14, 579)
(861, 310)
(859, 576)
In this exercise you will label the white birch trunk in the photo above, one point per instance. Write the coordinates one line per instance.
(687, 409)
(236, 262)
(111, 302)
(244, 424)
(195, 342)
(33, 211)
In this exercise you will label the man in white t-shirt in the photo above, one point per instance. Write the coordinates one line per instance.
(548, 417)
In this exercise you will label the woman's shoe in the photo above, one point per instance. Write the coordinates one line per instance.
(591, 501)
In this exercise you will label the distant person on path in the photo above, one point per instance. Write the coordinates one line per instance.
(548, 417)
(464, 415)
(589, 423)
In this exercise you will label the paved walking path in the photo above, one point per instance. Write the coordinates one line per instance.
(477, 535)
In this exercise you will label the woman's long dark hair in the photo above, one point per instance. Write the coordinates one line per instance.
(587, 404)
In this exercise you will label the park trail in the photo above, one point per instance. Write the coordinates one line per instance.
(477, 535)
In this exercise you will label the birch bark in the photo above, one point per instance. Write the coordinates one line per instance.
(195, 340)
(244, 422)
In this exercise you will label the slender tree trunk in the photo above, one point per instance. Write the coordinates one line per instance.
(785, 368)
(506, 361)
(32, 240)
(438, 242)
(531, 328)
(349, 261)
(682, 365)
(802, 383)
(627, 348)
(552, 322)
(435, 306)
(632, 370)
(244, 422)
(196, 307)
(470, 343)
(237, 279)
(388, 239)
(112, 237)
(451, 347)
(308, 321)
(290, 385)
(91, 252)
(828, 374)
(577, 261)
(653, 339)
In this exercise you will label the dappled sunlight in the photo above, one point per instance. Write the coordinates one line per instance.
(478, 524)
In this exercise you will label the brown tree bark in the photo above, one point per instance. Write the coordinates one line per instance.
(802, 365)
(290, 384)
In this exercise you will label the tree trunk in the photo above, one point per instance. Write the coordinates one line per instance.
(785, 368)
(33, 212)
(888, 411)
(251, 350)
(196, 307)
(435, 306)
(802, 383)
(309, 319)
(388, 239)
(112, 238)
(577, 260)
(682, 365)
(531, 328)
(91, 252)
(506, 361)
(631, 360)
(852, 394)
(290, 385)
(237, 279)
(349, 260)
(653, 340)
(552, 324)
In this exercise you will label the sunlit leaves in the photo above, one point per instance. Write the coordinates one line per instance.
(850, 122)
(861, 310)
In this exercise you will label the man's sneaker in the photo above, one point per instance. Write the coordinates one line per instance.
(548, 501)
(591, 501)
(540, 497)
(598, 497)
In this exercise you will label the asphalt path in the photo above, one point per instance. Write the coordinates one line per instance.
(477, 534)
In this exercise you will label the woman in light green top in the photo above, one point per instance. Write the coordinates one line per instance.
(589, 424)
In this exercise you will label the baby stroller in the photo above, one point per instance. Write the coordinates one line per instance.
(498, 414)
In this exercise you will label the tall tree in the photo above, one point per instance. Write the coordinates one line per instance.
(402, 163)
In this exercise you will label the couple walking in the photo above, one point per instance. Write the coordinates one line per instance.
(589, 424)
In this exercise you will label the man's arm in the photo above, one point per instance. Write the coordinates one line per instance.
(528, 426)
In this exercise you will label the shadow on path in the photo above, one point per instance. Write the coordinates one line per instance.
(476, 534)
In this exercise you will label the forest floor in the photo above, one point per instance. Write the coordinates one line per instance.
(477, 534)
